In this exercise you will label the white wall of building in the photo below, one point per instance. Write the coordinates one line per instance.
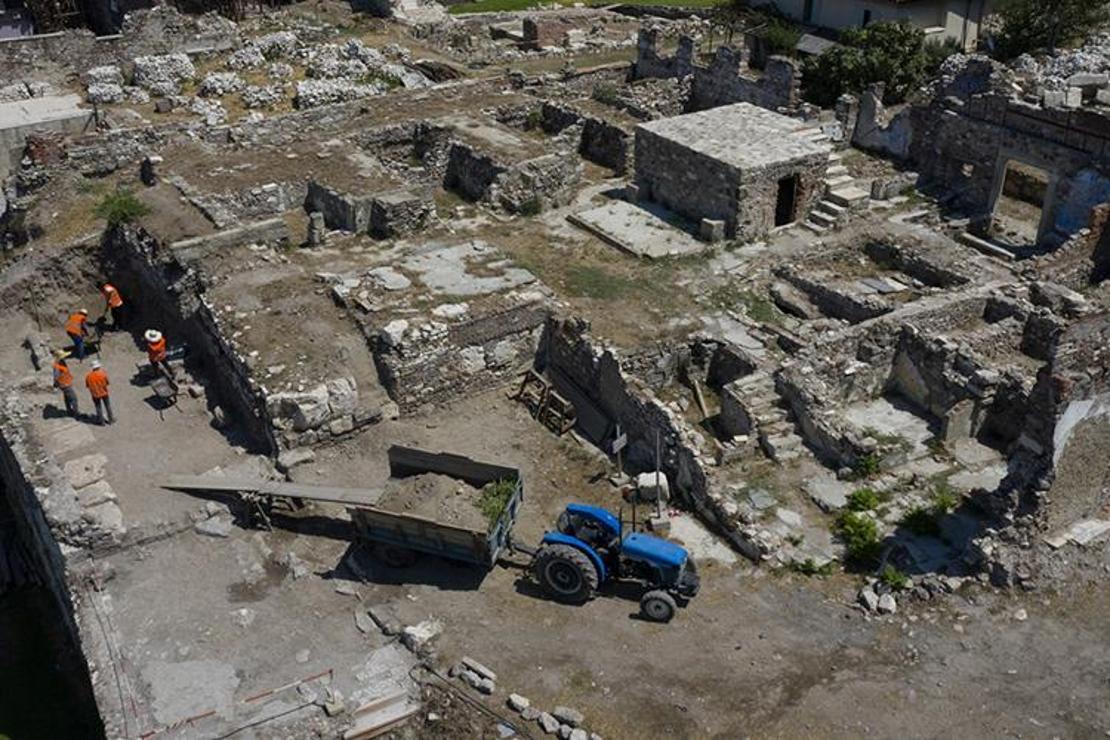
(954, 19)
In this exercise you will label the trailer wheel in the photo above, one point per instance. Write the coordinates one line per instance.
(657, 606)
(565, 573)
(397, 557)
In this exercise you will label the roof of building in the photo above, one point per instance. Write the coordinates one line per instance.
(742, 135)
(814, 45)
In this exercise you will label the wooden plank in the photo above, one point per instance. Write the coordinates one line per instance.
(331, 494)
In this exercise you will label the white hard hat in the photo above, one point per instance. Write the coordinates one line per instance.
(96, 364)
(153, 335)
(84, 311)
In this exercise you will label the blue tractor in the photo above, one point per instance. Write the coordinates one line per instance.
(591, 548)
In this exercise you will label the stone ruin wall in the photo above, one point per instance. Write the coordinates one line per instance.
(568, 348)
(600, 141)
(725, 79)
(449, 362)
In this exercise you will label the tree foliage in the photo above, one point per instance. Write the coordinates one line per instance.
(893, 53)
(1030, 25)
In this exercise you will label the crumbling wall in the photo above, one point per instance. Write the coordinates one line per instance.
(600, 142)
(833, 301)
(876, 131)
(567, 348)
(141, 266)
(437, 362)
(341, 210)
(724, 81)
(520, 187)
(46, 511)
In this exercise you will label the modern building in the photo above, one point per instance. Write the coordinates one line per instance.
(958, 20)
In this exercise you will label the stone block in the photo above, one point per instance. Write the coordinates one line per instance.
(650, 490)
(86, 470)
(711, 229)
(1073, 98)
(1054, 98)
(632, 192)
(1103, 97)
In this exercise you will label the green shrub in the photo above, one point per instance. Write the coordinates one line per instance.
(781, 38)
(862, 499)
(921, 521)
(894, 578)
(120, 207)
(860, 535)
(944, 499)
(494, 498)
(605, 93)
(531, 207)
(866, 466)
(534, 120)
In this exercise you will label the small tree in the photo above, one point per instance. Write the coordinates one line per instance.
(120, 207)
(892, 53)
(1029, 25)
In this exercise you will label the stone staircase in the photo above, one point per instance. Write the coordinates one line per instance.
(770, 421)
(842, 194)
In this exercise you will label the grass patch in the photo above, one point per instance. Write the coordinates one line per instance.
(808, 567)
(757, 307)
(860, 535)
(894, 578)
(494, 498)
(120, 207)
(605, 93)
(944, 498)
(585, 281)
(862, 499)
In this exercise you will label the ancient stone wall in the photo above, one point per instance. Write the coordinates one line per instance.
(568, 348)
(141, 266)
(438, 363)
(726, 79)
(341, 210)
(600, 142)
(686, 181)
(520, 187)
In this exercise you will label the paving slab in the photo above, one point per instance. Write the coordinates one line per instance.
(644, 230)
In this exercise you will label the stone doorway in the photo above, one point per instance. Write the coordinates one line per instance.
(786, 201)
(1018, 216)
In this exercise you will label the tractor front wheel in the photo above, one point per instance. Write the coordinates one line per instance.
(657, 606)
(565, 573)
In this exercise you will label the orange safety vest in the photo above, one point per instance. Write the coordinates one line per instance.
(77, 325)
(63, 378)
(97, 383)
(112, 296)
(156, 351)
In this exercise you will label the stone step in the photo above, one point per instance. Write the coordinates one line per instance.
(816, 229)
(781, 448)
(849, 196)
(824, 219)
(835, 170)
(836, 157)
(838, 181)
(833, 209)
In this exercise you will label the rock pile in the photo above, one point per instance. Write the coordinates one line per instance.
(163, 74)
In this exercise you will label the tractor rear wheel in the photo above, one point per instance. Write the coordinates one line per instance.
(657, 606)
(565, 573)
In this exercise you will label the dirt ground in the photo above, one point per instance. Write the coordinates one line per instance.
(438, 497)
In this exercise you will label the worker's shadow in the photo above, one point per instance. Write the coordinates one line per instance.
(50, 411)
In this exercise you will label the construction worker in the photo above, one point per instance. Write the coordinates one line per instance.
(77, 327)
(63, 381)
(113, 304)
(97, 383)
(156, 352)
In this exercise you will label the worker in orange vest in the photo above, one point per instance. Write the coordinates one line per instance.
(97, 383)
(113, 304)
(77, 327)
(156, 352)
(63, 381)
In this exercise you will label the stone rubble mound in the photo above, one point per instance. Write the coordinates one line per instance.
(163, 74)
(218, 84)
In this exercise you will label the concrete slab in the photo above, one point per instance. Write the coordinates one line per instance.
(987, 478)
(728, 329)
(644, 230)
(972, 454)
(51, 112)
(828, 493)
